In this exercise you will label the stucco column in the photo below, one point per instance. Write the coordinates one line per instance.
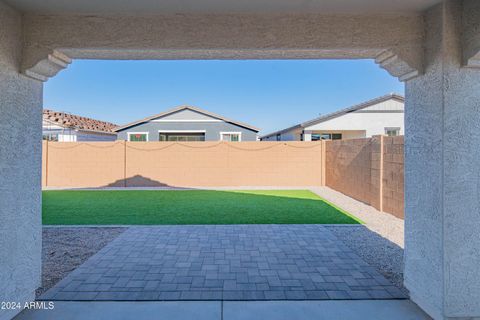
(20, 165)
(442, 173)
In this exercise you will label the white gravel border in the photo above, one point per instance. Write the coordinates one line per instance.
(384, 224)
(380, 241)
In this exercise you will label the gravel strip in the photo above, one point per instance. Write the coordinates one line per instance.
(384, 224)
(381, 253)
(64, 249)
(380, 241)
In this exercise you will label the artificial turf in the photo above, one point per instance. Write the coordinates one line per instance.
(169, 207)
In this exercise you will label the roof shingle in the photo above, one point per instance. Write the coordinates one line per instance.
(68, 120)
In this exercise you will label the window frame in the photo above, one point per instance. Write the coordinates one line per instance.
(50, 137)
(169, 132)
(326, 136)
(317, 137)
(397, 129)
(130, 133)
(239, 133)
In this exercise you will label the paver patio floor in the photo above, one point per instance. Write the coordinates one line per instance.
(226, 262)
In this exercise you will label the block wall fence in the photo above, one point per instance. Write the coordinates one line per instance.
(369, 170)
(194, 164)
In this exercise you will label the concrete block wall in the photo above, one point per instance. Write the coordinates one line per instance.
(194, 164)
(393, 176)
(370, 170)
(348, 167)
(79, 164)
(374, 198)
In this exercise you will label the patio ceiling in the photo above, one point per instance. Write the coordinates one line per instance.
(221, 6)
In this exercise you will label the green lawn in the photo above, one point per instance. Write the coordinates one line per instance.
(145, 207)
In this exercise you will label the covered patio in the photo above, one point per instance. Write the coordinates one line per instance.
(226, 262)
(432, 45)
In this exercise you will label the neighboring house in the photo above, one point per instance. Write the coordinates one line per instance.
(186, 123)
(380, 116)
(65, 127)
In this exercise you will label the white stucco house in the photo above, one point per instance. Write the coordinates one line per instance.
(380, 116)
(66, 127)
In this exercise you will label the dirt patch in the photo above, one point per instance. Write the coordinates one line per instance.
(65, 248)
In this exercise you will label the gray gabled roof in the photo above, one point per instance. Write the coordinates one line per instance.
(180, 108)
(339, 113)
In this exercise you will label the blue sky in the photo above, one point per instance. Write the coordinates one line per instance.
(268, 94)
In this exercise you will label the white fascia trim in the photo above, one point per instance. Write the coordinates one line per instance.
(130, 133)
(183, 131)
(51, 126)
(184, 120)
(231, 132)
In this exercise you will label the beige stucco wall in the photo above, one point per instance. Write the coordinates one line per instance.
(77, 164)
(118, 164)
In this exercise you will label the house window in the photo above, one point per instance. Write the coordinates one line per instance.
(336, 136)
(392, 132)
(181, 136)
(138, 136)
(50, 136)
(326, 136)
(231, 136)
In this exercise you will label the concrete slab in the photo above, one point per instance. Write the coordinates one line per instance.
(234, 310)
(73, 310)
(326, 309)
